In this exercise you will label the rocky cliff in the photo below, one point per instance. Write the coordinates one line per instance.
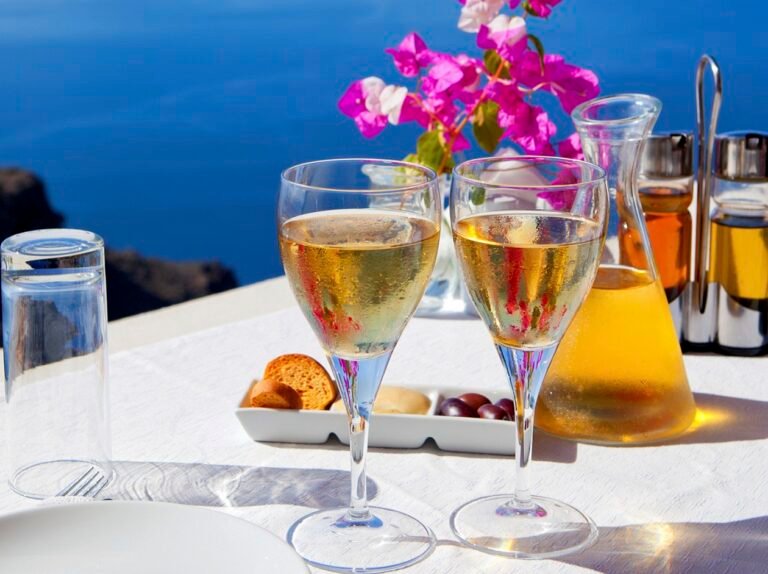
(135, 284)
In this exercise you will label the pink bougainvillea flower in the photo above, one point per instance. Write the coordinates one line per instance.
(508, 36)
(453, 78)
(504, 93)
(441, 108)
(451, 87)
(460, 143)
(352, 102)
(570, 147)
(471, 70)
(476, 13)
(411, 55)
(412, 111)
(528, 126)
(572, 85)
(543, 8)
(370, 102)
(442, 77)
(562, 199)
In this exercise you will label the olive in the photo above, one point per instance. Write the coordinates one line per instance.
(509, 406)
(474, 400)
(456, 408)
(493, 412)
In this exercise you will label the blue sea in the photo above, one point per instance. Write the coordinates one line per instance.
(163, 125)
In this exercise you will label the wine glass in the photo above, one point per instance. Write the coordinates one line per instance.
(358, 240)
(528, 233)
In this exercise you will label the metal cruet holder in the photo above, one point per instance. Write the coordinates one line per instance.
(700, 300)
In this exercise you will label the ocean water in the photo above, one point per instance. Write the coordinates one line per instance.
(164, 125)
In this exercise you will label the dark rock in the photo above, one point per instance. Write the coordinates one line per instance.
(135, 284)
(32, 351)
(23, 203)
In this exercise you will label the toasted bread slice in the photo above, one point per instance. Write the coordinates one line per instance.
(274, 395)
(306, 376)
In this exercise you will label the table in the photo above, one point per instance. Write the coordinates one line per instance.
(698, 504)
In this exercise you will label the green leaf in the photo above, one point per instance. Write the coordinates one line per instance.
(431, 147)
(492, 61)
(485, 126)
(413, 158)
(449, 163)
(477, 195)
(539, 49)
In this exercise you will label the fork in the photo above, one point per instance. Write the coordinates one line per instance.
(90, 484)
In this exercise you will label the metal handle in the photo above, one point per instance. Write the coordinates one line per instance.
(704, 175)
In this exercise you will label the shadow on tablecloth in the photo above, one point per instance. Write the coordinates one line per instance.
(739, 547)
(229, 485)
(725, 419)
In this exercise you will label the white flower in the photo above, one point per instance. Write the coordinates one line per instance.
(372, 88)
(384, 100)
(475, 13)
(392, 99)
(507, 30)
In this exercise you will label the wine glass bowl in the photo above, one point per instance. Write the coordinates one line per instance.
(358, 239)
(528, 233)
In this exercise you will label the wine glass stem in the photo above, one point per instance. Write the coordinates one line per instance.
(526, 369)
(358, 449)
(523, 448)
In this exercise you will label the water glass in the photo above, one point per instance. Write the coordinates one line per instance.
(55, 360)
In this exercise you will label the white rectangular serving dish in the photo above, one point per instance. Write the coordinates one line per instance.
(387, 430)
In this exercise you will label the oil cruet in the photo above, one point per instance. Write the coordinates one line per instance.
(618, 375)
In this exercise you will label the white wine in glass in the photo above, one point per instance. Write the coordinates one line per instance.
(358, 252)
(356, 274)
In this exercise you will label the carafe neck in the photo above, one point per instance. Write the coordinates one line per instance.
(613, 130)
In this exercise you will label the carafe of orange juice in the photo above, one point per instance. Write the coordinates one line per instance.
(618, 375)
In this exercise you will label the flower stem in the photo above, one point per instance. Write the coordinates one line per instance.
(455, 130)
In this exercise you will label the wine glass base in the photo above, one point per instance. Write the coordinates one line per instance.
(547, 529)
(389, 541)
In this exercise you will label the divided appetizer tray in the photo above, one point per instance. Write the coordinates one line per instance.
(460, 434)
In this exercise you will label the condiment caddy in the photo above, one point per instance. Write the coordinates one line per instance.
(717, 284)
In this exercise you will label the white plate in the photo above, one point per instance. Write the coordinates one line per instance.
(387, 430)
(139, 537)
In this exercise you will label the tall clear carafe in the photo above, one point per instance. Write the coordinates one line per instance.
(618, 375)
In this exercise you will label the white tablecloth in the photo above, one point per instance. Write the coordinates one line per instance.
(697, 505)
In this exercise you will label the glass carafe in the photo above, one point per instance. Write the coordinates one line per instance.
(618, 375)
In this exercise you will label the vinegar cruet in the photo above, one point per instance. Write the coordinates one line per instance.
(618, 375)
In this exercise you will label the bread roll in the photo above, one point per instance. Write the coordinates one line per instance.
(273, 395)
(306, 376)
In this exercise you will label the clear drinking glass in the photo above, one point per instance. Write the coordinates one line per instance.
(358, 239)
(55, 343)
(528, 234)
